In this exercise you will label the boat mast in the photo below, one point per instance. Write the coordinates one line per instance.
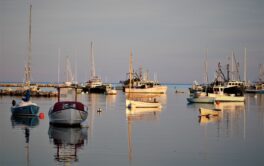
(206, 67)
(130, 69)
(75, 66)
(59, 54)
(232, 65)
(245, 65)
(69, 74)
(92, 61)
(237, 76)
(28, 65)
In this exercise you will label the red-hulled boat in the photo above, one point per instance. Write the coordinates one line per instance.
(71, 113)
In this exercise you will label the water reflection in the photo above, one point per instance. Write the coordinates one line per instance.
(68, 141)
(22, 122)
(231, 121)
(142, 114)
(25, 124)
(138, 114)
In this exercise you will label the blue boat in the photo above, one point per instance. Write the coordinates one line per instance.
(24, 107)
(202, 99)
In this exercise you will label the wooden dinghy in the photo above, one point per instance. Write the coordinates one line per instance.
(209, 112)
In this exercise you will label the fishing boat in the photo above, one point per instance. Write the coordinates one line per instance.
(136, 103)
(209, 112)
(140, 83)
(147, 89)
(69, 113)
(220, 95)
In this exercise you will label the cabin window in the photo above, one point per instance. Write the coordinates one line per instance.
(69, 105)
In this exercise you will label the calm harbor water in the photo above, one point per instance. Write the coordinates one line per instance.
(174, 135)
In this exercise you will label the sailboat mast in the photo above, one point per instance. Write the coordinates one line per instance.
(59, 54)
(130, 69)
(245, 65)
(206, 67)
(28, 66)
(232, 65)
(75, 66)
(92, 61)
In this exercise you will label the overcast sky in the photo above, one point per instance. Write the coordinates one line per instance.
(168, 37)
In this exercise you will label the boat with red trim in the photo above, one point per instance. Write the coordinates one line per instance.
(69, 113)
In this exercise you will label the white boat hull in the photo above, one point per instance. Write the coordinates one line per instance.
(67, 117)
(141, 104)
(209, 112)
(111, 92)
(227, 98)
(155, 89)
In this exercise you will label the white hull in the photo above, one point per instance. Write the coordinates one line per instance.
(226, 98)
(111, 92)
(141, 104)
(67, 116)
(208, 112)
(155, 89)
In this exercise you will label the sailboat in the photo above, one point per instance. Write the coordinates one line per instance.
(132, 103)
(69, 74)
(26, 107)
(95, 84)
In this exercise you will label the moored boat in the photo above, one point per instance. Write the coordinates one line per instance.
(142, 104)
(201, 99)
(135, 103)
(70, 113)
(24, 107)
(159, 89)
(221, 95)
(209, 112)
(110, 90)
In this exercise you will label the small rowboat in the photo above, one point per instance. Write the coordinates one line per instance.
(209, 112)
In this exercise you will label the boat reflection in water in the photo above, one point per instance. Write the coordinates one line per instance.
(25, 123)
(67, 141)
(138, 114)
(231, 120)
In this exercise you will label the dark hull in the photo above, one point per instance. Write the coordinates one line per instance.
(30, 110)
(30, 121)
(99, 89)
